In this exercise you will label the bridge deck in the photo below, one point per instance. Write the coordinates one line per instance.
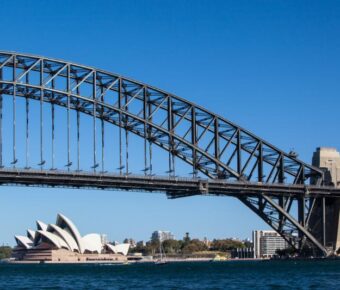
(173, 186)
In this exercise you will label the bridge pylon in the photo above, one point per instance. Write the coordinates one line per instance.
(325, 218)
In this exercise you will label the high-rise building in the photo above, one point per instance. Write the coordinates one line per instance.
(162, 236)
(266, 243)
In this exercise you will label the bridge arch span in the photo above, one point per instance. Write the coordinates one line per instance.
(211, 144)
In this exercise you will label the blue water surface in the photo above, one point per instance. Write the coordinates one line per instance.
(321, 274)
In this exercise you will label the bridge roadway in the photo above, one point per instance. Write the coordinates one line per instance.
(174, 187)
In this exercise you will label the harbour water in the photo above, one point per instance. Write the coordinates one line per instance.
(320, 274)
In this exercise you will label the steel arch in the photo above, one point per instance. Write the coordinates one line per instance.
(210, 143)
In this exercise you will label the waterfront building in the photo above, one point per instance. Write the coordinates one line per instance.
(162, 236)
(62, 242)
(266, 243)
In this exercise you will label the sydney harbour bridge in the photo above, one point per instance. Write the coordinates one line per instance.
(68, 125)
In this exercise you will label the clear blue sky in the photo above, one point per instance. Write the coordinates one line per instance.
(271, 66)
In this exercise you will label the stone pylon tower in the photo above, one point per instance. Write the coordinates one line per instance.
(325, 219)
(328, 159)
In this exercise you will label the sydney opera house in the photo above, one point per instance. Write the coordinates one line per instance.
(62, 242)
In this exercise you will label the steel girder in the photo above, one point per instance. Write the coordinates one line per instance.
(209, 143)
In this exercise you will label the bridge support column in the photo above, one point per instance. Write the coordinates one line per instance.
(325, 222)
(301, 219)
(325, 218)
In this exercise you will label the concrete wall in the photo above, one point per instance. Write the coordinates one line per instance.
(62, 255)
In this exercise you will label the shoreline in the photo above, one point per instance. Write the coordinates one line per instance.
(170, 260)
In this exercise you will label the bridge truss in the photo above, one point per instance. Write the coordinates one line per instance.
(272, 183)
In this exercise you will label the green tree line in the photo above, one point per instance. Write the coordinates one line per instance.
(187, 246)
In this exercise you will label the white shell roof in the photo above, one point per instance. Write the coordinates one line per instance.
(66, 224)
(92, 243)
(119, 249)
(41, 226)
(66, 236)
(31, 234)
(54, 239)
(24, 241)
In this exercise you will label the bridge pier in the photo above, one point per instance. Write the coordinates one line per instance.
(325, 222)
(325, 217)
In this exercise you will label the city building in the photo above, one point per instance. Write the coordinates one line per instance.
(266, 243)
(62, 242)
(162, 236)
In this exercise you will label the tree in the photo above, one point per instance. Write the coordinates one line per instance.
(172, 246)
(5, 252)
(226, 245)
(152, 247)
(193, 246)
(140, 248)
(186, 238)
(248, 244)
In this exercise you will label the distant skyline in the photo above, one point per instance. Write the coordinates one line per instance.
(272, 67)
